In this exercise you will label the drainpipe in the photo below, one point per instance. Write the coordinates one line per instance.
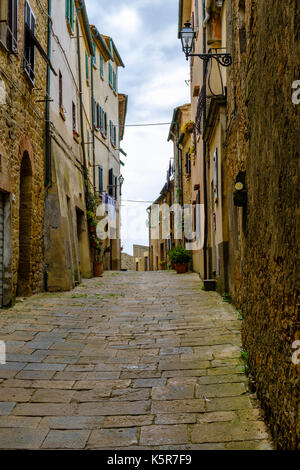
(204, 168)
(48, 139)
(149, 223)
(80, 103)
(93, 126)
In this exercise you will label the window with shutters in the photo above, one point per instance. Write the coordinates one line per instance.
(187, 164)
(196, 15)
(111, 182)
(70, 15)
(216, 175)
(86, 66)
(101, 66)
(74, 120)
(98, 116)
(110, 74)
(94, 59)
(105, 124)
(100, 181)
(9, 25)
(88, 145)
(114, 81)
(60, 90)
(29, 51)
(116, 188)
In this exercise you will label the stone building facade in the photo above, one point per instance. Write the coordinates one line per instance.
(264, 141)
(23, 57)
(127, 262)
(255, 125)
(67, 248)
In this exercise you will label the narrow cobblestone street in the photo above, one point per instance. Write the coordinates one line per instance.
(127, 361)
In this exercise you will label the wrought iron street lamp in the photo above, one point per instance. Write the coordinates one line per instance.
(121, 181)
(188, 35)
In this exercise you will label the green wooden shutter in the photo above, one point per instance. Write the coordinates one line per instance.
(101, 66)
(86, 65)
(100, 179)
(71, 13)
(94, 61)
(68, 9)
(111, 182)
(101, 119)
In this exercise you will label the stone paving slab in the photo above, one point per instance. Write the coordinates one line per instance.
(131, 361)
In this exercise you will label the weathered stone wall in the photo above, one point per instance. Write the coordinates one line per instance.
(22, 133)
(263, 239)
(127, 262)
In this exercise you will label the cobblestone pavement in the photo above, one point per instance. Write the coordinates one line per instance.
(127, 361)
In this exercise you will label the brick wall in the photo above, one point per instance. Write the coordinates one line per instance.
(263, 239)
(22, 133)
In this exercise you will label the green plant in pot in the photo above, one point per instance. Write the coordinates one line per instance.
(98, 257)
(179, 258)
(92, 221)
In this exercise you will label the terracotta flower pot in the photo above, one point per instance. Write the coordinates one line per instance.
(180, 268)
(98, 269)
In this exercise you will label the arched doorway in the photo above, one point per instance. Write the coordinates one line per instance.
(25, 228)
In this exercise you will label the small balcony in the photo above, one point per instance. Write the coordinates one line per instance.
(213, 93)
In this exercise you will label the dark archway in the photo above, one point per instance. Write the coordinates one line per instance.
(24, 287)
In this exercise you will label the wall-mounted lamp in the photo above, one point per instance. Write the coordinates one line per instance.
(188, 35)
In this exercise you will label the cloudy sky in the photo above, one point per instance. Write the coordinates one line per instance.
(145, 33)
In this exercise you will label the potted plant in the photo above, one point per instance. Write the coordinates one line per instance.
(162, 264)
(179, 258)
(188, 127)
(92, 221)
(98, 257)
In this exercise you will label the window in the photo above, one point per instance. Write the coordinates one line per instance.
(111, 182)
(29, 42)
(187, 164)
(70, 14)
(216, 176)
(60, 90)
(9, 24)
(101, 66)
(197, 15)
(88, 145)
(116, 187)
(114, 81)
(100, 176)
(104, 124)
(86, 65)
(110, 74)
(74, 116)
(94, 60)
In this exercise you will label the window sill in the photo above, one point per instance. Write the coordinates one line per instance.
(71, 32)
(62, 113)
(76, 137)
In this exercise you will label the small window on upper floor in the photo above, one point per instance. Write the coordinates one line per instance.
(94, 58)
(29, 43)
(86, 66)
(70, 15)
(74, 120)
(9, 24)
(101, 66)
(110, 74)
